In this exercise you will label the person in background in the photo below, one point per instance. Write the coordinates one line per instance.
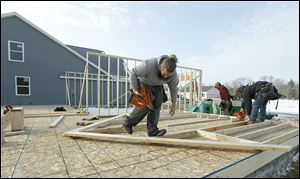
(225, 104)
(261, 92)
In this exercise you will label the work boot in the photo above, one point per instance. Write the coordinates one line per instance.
(127, 127)
(260, 120)
(161, 132)
(250, 122)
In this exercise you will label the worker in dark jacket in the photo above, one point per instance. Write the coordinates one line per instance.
(225, 104)
(260, 92)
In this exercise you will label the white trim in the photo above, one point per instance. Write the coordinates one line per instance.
(9, 50)
(16, 86)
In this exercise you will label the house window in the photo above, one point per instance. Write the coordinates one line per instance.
(22, 86)
(15, 51)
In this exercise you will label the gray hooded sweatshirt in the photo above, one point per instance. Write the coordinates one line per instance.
(148, 73)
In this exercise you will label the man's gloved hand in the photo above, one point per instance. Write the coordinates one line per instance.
(246, 118)
(172, 110)
(242, 110)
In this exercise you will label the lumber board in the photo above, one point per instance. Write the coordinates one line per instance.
(220, 137)
(224, 117)
(179, 116)
(250, 164)
(56, 122)
(283, 137)
(180, 142)
(263, 131)
(97, 124)
(182, 134)
(117, 129)
(193, 122)
(53, 115)
(14, 133)
(212, 116)
(244, 128)
(224, 126)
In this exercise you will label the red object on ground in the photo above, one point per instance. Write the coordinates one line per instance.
(240, 115)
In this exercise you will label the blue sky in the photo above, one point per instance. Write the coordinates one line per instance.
(227, 40)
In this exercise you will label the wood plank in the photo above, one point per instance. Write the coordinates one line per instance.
(244, 128)
(212, 116)
(180, 142)
(53, 115)
(283, 137)
(224, 117)
(97, 124)
(14, 133)
(292, 123)
(182, 134)
(193, 122)
(56, 121)
(250, 164)
(179, 116)
(119, 129)
(220, 137)
(253, 134)
(224, 126)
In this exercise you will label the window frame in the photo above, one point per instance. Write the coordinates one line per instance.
(16, 85)
(9, 50)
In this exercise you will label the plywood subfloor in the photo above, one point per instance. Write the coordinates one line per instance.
(45, 152)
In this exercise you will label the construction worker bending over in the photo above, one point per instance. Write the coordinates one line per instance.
(152, 74)
(225, 104)
(261, 91)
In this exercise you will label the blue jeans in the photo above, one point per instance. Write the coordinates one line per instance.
(137, 115)
(258, 105)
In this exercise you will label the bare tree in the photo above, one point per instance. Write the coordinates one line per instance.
(233, 85)
(267, 78)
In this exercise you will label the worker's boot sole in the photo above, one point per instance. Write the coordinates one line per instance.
(161, 132)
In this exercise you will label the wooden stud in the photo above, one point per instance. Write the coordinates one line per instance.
(187, 133)
(243, 168)
(97, 124)
(220, 137)
(244, 128)
(283, 137)
(257, 133)
(14, 133)
(193, 122)
(56, 121)
(212, 116)
(181, 142)
(224, 126)
(53, 115)
(223, 117)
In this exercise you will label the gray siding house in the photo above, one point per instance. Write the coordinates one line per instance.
(33, 66)
(210, 92)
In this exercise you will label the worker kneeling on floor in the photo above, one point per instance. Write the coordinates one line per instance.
(150, 75)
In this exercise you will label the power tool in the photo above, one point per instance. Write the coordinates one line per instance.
(142, 100)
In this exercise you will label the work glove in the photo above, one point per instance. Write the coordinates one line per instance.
(247, 118)
(242, 110)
